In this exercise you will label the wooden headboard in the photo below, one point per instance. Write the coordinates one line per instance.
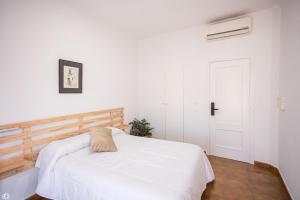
(21, 142)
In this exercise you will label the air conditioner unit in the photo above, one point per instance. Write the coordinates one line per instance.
(229, 28)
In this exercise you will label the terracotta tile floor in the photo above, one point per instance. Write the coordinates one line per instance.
(241, 181)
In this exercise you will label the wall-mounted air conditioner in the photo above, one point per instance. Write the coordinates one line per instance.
(229, 28)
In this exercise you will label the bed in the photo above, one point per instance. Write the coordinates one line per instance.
(142, 168)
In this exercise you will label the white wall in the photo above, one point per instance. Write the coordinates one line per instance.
(189, 48)
(289, 137)
(33, 36)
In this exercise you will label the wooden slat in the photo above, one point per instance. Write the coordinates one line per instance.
(117, 119)
(80, 123)
(12, 166)
(10, 161)
(26, 141)
(123, 126)
(117, 114)
(11, 138)
(32, 155)
(15, 168)
(11, 149)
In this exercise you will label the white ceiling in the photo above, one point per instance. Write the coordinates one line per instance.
(144, 18)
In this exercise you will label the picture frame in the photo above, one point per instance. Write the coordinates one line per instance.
(70, 76)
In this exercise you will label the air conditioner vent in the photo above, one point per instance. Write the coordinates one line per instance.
(229, 28)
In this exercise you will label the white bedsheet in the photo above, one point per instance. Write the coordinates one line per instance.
(142, 169)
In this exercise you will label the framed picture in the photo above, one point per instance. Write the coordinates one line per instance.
(70, 76)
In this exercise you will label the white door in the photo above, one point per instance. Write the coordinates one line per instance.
(229, 91)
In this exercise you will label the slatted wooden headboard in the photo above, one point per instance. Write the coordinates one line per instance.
(21, 142)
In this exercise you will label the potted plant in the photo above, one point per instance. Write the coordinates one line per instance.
(140, 128)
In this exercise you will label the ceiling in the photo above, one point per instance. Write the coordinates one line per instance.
(145, 18)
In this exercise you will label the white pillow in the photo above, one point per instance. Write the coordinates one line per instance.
(114, 130)
(56, 149)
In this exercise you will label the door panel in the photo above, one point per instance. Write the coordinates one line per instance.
(229, 139)
(196, 99)
(174, 100)
(229, 126)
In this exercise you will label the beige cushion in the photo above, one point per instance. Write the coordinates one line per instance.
(101, 140)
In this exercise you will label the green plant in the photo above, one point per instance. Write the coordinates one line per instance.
(140, 128)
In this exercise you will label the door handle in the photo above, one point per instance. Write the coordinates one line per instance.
(212, 108)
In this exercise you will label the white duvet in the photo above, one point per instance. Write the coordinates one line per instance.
(142, 169)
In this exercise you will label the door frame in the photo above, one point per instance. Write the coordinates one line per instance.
(250, 136)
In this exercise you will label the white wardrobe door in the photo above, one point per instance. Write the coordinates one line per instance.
(174, 102)
(196, 109)
(151, 90)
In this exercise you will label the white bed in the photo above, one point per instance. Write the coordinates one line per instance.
(142, 169)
